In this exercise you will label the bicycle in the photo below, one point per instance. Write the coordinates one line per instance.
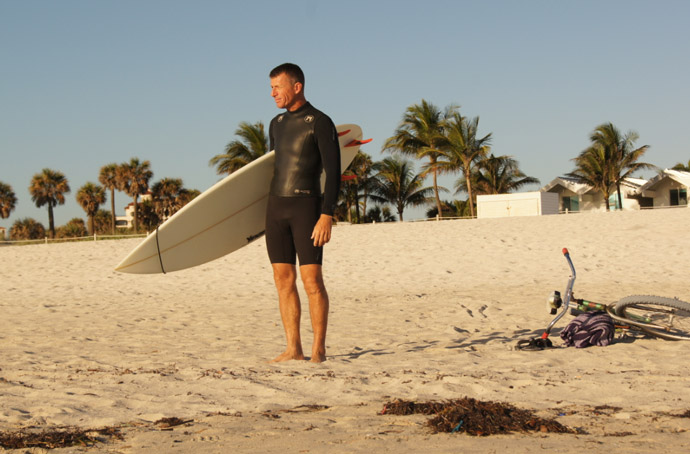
(666, 318)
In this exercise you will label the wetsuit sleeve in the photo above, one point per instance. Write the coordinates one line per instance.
(271, 142)
(327, 140)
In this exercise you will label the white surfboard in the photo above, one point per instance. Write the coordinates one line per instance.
(227, 216)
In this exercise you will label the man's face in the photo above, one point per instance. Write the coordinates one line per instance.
(284, 91)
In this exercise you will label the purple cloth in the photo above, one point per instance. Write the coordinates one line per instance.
(590, 328)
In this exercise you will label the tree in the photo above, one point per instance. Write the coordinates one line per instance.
(109, 178)
(396, 183)
(49, 188)
(134, 177)
(379, 214)
(101, 222)
(463, 151)
(8, 200)
(75, 228)
(90, 197)
(354, 191)
(252, 145)
(168, 196)
(500, 175)
(593, 167)
(27, 229)
(620, 149)
(421, 134)
(682, 167)
(147, 213)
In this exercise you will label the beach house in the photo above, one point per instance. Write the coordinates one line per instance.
(668, 189)
(127, 221)
(2, 233)
(574, 196)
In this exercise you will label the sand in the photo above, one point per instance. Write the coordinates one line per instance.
(419, 311)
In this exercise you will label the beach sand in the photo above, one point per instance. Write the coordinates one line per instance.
(419, 311)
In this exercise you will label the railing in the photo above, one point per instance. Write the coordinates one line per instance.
(47, 240)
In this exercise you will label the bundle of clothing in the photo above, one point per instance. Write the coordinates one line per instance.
(590, 328)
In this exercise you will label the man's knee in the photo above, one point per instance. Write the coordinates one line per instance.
(284, 275)
(312, 279)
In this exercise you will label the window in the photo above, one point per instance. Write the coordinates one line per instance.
(679, 197)
(571, 204)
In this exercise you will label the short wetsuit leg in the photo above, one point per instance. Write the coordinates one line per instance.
(290, 222)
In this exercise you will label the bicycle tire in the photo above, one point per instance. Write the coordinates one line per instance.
(666, 318)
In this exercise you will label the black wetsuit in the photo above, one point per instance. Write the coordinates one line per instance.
(305, 142)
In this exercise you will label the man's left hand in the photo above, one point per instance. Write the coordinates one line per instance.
(322, 230)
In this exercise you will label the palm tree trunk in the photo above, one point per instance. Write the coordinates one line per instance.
(51, 221)
(469, 191)
(136, 220)
(112, 208)
(438, 199)
(92, 228)
(620, 198)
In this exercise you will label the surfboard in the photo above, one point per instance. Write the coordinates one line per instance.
(224, 218)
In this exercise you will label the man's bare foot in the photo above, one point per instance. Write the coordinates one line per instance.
(288, 356)
(318, 357)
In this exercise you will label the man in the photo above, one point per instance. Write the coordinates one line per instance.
(298, 218)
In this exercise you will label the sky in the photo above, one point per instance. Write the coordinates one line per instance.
(86, 83)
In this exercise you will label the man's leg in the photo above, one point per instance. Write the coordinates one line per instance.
(285, 275)
(318, 308)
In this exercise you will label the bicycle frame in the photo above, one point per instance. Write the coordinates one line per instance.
(568, 295)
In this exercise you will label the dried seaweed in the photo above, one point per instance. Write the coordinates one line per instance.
(58, 438)
(475, 417)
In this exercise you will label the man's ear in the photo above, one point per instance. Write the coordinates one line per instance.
(298, 87)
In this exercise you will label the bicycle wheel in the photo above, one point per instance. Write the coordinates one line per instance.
(667, 318)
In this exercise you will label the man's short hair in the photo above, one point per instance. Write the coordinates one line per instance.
(293, 71)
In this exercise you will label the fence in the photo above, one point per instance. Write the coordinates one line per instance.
(47, 240)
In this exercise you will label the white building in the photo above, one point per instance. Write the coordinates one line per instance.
(517, 204)
(574, 196)
(668, 189)
(127, 221)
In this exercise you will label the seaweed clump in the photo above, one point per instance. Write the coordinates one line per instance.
(475, 417)
(58, 438)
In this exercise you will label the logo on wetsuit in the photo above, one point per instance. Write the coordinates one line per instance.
(280, 118)
(303, 191)
(309, 118)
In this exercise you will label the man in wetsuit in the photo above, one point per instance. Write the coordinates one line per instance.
(299, 218)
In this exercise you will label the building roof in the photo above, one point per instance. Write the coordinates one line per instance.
(568, 183)
(679, 176)
(583, 188)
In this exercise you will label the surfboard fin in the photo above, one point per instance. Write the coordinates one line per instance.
(356, 143)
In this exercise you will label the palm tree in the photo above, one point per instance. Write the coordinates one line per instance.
(8, 200)
(682, 167)
(108, 177)
(90, 197)
(622, 152)
(49, 188)
(500, 175)
(463, 150)
(239, 153)
(27, 229)
(421, 134)
(593, 168)
(134, 177)
(168, 196)
(396, 183)
(354, 191)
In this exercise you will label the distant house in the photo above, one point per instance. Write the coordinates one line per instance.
(127, 221)
(668, 189)
(2, 233)
(574, 196)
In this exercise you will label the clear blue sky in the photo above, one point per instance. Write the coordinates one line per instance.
(85, 83)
